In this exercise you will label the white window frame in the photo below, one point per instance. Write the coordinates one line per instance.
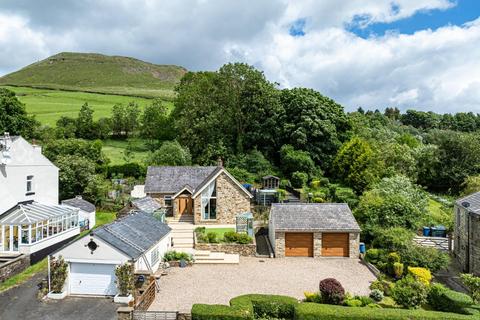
(154, 256)
(30, 185)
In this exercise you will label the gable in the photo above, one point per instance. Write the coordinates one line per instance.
(228, 177)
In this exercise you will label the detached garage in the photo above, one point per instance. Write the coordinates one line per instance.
(138, 238)
(313, 230)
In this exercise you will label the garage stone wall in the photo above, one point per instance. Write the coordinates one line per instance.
(354, 244)
(14, 266)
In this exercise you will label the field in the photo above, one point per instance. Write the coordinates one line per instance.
(49, 105)
(114, 150)
(97, 73)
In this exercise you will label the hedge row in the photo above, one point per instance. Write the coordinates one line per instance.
(444, 299)
(315, 311)
(253, 306)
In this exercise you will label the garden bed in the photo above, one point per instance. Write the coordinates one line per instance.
(243, 249)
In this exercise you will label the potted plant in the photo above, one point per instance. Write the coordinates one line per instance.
(58, 275)
(125, 283)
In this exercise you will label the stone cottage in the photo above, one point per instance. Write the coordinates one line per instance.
(202, 195)
(467, 233)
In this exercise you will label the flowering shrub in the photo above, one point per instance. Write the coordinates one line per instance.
(421, 274)
(331, 291)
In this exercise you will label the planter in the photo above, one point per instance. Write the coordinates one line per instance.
(123, 299)
(57, 296)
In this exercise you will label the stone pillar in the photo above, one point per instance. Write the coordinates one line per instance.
(279, 244)
(354, 245)
(317, 244)
(124, 313)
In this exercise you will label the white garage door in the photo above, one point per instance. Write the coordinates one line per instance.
(92, 278)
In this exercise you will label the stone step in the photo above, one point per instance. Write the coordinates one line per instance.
(202, 253)
(228, 259)
(182, 234)
(211, 256)
(182, 246)
(177, 241)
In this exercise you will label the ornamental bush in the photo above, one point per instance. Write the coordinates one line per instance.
(383, 285)
(473, 284)
(331, 291)
(430, 258)
(211, 237)
(176, 256)
(409, 292)
(376, 295)
(443, 299)
(392, 239)
(421, 274)
(125, 279)
(58, 274)
(398, 270)
(312, 297)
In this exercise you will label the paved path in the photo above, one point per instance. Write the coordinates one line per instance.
(22, 303)
(217, 284)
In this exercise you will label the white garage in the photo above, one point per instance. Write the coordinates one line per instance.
(92, 278)
(138, 237)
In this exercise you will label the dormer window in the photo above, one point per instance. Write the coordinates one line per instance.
(30, 190)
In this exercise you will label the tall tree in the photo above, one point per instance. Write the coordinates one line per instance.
(13, 116)
(132, 113)
(84, 123)
(155, 122)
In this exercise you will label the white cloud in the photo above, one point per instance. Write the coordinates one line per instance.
(430, 69)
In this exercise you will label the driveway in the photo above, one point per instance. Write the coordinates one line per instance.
(217, 284)
(22, 303)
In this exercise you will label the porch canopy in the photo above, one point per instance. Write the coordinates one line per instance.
(34, 222)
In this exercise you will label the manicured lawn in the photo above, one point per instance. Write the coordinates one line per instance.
(49, 105)
(102, 217)
(114, 150)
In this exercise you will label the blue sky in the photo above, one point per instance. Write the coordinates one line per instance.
(464, 11)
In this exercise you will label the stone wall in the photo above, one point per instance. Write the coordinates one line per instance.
(354, 245)
(279, 244)
(317, 244)
(231, 201)
(160, 198)
(14, 267)
(245, 250)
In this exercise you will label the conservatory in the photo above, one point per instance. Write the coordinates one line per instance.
(30, 227)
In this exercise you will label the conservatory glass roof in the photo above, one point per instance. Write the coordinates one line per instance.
(28, 213)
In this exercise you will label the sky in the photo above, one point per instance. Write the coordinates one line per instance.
(421, 54)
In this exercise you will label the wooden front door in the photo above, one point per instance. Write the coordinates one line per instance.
(185, 205)
(335, 245)
(299, 244)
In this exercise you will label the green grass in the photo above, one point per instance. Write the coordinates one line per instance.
(102, 217)
(219, 231)
(114, 150)
(49, 105)
(439, 215)
(90, 72)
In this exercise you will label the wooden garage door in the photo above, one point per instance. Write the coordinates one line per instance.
(299, 244)
(335, 244)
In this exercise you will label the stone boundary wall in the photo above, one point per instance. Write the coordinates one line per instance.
(14, 266)
(244, 250)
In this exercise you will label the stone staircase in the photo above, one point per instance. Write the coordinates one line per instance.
(208, 257)
(182, 233)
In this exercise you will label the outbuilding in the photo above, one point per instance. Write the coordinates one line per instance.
(313, 230)
(137, 238)
(86, 213)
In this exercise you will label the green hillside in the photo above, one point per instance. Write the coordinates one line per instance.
(97, 73)
(49, 105)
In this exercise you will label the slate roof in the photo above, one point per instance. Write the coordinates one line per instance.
(146, 204)
(473, 201)
(313, 217)
(173, 179)
(133, 234)
(80, 203)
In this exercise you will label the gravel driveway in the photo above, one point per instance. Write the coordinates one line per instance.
(217, 284)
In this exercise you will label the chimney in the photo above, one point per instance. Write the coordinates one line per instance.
(220, 162)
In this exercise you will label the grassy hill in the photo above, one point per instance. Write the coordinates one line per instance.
(97, 73)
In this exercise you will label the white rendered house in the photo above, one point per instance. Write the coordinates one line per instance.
(30, 217)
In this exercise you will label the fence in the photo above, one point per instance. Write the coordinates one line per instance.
(440, 243)
(154, 315)
(146, 299)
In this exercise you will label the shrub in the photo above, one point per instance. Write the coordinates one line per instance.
(299, 179)
(382, 285)
(211, 237)
(444, 299)
(398, 270)
(312, 297)
(315, 311)
(392, 239)
(331, 291)
(429, 258)
(352, 302)
(409, 292)
(393, 257)
(200, 230)
(421, 274)
(236, 237)
(473, 284)
(58, 274)
(131, 169)
(220, 312)
(366, 300)
(376, 256)
(125, 279)
(176, 256)
(376, 295)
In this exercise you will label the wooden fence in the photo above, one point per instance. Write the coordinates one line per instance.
(154, 315)
(145, 300)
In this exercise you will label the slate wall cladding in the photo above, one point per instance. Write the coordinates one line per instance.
(354, 243)
(13, 267)
(231, 201)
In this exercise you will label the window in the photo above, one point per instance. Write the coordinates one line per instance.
(209, 202)
(168, 201)
(30, 185)
(154, 256)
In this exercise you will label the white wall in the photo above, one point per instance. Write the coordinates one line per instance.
(27, 160)
(163, 246)
(90, 216)
(42, 244)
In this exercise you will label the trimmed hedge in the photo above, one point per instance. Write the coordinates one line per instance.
(443, 299)
(315, 311)
(247, 307)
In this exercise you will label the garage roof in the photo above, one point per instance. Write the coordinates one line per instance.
(312, 217)
(133, 234)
